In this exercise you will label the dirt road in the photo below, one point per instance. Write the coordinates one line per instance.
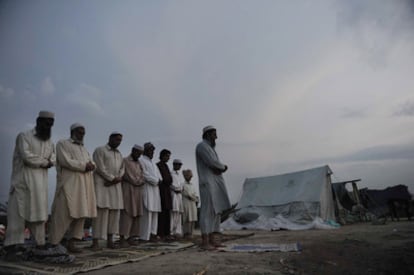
(353, 249)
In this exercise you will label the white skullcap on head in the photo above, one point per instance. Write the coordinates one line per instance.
(138, 147)
(177, 161)
(76, 125)
(208, 128)
(115, 133)
(148, 145)
(46, 114)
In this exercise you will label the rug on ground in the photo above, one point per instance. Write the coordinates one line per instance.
(262, 247)
(91, 260)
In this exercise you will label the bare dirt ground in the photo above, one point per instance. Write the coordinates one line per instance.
(352, 249)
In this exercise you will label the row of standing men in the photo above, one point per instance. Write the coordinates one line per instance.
(131, 196)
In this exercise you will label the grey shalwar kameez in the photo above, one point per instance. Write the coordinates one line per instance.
(213, 192)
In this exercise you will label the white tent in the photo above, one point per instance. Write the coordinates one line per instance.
(298, 200)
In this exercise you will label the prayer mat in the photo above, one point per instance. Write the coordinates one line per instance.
(262, 247)
(225, 237)
(91, 260)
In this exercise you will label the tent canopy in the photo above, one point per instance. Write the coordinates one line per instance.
(302, 186)
(299, 197)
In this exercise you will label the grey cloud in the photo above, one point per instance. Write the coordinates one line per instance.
(28, 95)
(405, 109)
(87, 105)
(6, 92)
(390, 16)
(375, 153)
(383, 152)
(160, 72)
(352, 113)
(87, 98)
(376, 26)
(47, 87)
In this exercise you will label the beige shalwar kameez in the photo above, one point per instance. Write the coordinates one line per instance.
(75, 191)
(132, 189)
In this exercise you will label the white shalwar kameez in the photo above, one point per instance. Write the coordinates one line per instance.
(109, 199)
(177, 204)
(190, 200)
(151, 198)
(28, 196)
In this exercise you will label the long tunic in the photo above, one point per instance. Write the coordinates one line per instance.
(177, 200)
(76, 184)
(109, 165)
(132, 187)
(151, 194)
(29, 182)
(207, 160)
(190, 199)
(165, 186)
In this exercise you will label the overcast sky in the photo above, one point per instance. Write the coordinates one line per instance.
(290, 85)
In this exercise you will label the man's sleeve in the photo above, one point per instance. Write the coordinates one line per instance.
(98, 157)
(151, 179)
(65, 158)
(29, 158)
(209, 157)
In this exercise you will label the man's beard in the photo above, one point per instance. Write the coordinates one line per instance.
(213, 143)
(77, 141)
(43, 133)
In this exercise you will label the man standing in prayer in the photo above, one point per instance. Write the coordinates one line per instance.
(164, 218)
(151, 196)
(34, 154)
(177, 200)
(75, 191)
(190, 200)
(132, 190)
(108, 189)
(213, 192)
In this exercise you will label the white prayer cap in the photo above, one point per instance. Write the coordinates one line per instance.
(208, 128)
(46, 114)
(177, 161)
(138, 147)
(187, 172)
(76, 125)
(148, 145)
(115, 133)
